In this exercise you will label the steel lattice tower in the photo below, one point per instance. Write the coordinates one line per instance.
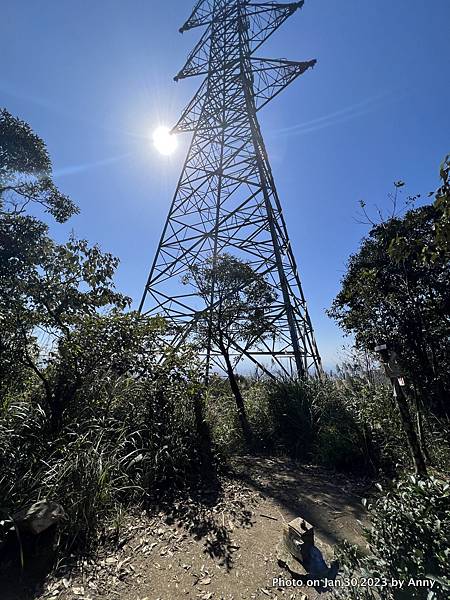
(226, 199)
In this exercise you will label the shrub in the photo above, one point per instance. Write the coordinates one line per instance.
(305, 420)
(223, 420)
(279, 414)
(408, 539)
(22, 444)
(124, 441)
(371, 407)
(438, 438)
(292, 412)
(312, 420)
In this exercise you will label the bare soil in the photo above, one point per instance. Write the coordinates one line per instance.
(219, 547)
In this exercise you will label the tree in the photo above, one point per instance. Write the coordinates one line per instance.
(99, 350)
(396, 297)
(89, 415)
(436, 247)
(442, 204)
(403, 301)
(25, 180)
(46, 289)
(26, 172)
(239, 315)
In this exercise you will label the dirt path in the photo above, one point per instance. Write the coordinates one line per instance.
(224, 548)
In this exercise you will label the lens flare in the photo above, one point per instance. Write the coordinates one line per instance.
(165, 142)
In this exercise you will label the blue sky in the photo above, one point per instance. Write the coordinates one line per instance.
(94, 78)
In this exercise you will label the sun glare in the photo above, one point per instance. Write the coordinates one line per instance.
(165, 142)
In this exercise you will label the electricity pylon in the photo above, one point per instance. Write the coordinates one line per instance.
(226, 200)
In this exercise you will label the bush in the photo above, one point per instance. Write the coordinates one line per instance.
(22, 446)
(372, 408)
(292, 411)
(305, 420)
(124, 441)
(223, 419)
(438, 437)
(312, 420)
(279, 414)
(408, 539)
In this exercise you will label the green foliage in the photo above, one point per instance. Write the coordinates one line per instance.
(408, 538)
(97, 414)
(241, 298)
(350, 426)
(372, 407)
(22, 443)
(45, 288)
(442, 204)
(125, 438)
(223, 419)
(350, 423)
(318, 423)
(44, 300)
(437, 246)
(292, 411)
(403, 302)
(21, 150)
(438, 433)
(26, 172)
(238, 314)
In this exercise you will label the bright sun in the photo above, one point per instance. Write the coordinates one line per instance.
(165, 142)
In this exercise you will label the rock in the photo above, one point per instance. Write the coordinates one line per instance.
(286, 559)
(39, 516)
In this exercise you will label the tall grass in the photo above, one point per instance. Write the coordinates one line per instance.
(114, 450)
(349, 425)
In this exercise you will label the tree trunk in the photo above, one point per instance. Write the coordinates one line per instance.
(420, 426)
(411, 435)
(239, 400)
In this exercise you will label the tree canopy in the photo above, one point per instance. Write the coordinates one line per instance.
(26, 172)
(46, 288)
(397, 297)
(241, 301)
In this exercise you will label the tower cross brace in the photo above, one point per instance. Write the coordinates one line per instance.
(226, 200)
